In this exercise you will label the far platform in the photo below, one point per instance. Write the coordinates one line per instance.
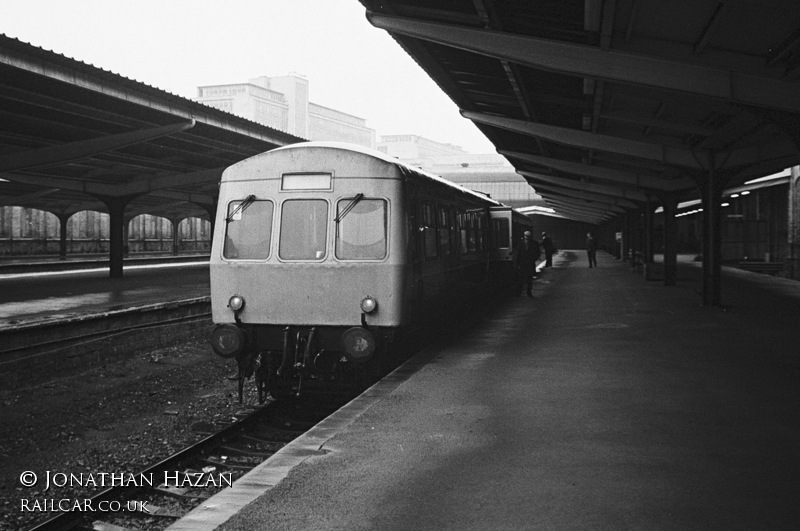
(41, 291)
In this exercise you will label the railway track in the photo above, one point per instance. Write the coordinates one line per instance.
(153, 499)
(44, 349)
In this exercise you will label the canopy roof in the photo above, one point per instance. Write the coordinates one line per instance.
(73, 136)
(604, 104)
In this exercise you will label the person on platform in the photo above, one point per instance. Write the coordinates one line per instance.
(591, 249)
(548, 248)
(527, 256)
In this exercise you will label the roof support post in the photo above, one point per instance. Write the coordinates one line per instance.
(62, 229)
(627, 235)
(640, 225)
(118, 241)
(670, 204)
(793, 259)
(176, 224)
(712, 236)
(648, 233)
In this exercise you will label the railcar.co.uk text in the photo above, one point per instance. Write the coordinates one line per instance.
(56, 480)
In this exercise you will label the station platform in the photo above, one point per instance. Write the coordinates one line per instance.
(51, 291)
(606, 401)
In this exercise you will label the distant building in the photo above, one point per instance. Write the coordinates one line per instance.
(410, 147)
(282, 103)
(488, 173)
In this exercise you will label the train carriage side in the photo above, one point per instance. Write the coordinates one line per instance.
(450, 251)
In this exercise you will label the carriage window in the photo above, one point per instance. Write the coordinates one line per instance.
(361, 234)
(248, 231)
(471, 232)
(429, 230)
(304, 225)
(463, 233)
(445, 228)
(479, 231)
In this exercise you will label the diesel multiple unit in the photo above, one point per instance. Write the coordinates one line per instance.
(325, 254)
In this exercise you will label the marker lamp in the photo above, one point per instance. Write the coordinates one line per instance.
(369, 305)
(236, 303)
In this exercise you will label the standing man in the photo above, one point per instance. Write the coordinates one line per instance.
(526, 260)
(591, 249)
(547, 245)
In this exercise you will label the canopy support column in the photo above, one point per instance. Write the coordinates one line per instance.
(712, 236)
(670, 202)
(117, 233)
(63, 219)
(793, 258)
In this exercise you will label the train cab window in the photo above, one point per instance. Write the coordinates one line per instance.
(361, 230)
(304, 226)
(248, 230)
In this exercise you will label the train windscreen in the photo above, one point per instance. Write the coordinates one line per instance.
(248, 230)
(361, 229)
(304, 226)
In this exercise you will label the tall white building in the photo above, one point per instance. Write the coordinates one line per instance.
(282, 103)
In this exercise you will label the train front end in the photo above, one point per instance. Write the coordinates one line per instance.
(306, 269)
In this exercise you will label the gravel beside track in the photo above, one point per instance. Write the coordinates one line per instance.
(118, 418)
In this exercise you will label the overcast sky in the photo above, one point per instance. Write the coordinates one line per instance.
(178, 45)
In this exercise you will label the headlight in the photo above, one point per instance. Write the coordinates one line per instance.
(369, 305)
(359, 344)
(236, 303)
(227, 340)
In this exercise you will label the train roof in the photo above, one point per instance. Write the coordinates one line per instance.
(391, 160)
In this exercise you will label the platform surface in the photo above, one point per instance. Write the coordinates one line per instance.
(605, 402)
(45, 297)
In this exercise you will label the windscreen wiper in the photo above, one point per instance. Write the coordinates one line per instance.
(348, 208)
(241, 207)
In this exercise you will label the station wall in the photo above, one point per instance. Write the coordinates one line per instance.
(28, 231)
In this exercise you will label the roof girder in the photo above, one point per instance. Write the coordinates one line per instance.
(612, 65)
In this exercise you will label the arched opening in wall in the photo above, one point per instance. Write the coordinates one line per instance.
(87, 233)
(149, 234)
(194, 236)
(28, 231)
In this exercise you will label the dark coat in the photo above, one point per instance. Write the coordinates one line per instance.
(527, 256)
(547, 245)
